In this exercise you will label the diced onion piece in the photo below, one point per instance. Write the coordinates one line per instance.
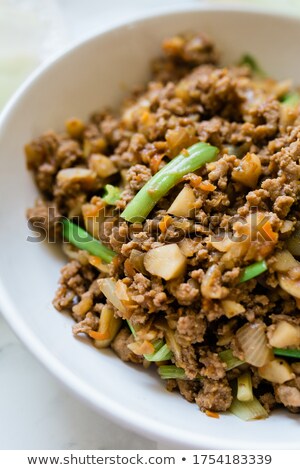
(75, 127)
(137, 260)
(93, 216)
(277, 371)
(108, 287)
(83, 306)
(232, 308)
(121, 291)
(244, 390)
(96, 145)
(248, 171)
(108, 325)
(211, 287)
(167, 261)
(102, 165)
(223, 245)
(183, 205)
(248, 410)
(285, 261)
(291, 286)
(285, 334)
(253, 342)
(187, 246)
(287, 226)
(141, 347)
(293, 243)
(180, 138)
(173, 345)
(83, 176)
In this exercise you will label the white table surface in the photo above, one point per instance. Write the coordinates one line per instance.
(35, 411)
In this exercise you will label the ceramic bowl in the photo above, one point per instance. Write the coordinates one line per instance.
(97, 73)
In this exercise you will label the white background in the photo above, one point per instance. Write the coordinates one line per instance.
(35, 411)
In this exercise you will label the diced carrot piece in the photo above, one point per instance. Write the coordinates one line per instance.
(165, 223)
(207, 186)
(100, 336)
(155, 162)
(212, 414)
(267, 229)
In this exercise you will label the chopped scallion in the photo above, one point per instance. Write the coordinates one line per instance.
(112, 194)
(244, 387)
(170, 175)
(171, 372)
(161, 350)
(295, 353)
(78, 237)
(247, 410)
(162, 353)
(253, 270)
(231, 361)
(252, 63)
(291, 99)
(133, 332)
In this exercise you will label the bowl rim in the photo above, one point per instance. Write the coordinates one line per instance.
(96, 399)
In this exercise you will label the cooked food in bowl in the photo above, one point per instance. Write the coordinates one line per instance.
(179, 216)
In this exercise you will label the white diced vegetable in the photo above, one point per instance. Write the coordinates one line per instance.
(102, 165)
(285, 261)
(232, 308)
(83, 176)
(284, 335)
(248, 171)
(108, 286)
(276, 371)
(183, 205)
(291, 286)
(109, 326)
(165, 261)
(253, 342)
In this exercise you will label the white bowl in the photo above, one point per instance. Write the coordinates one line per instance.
(90, 76)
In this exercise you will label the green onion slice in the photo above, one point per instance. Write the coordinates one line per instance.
(291, 99)
(244, 387)
(247, 410)
(253, 270)
(252, 63)
(78, 237)
(112, 194)
(171, 372)
(170, 175)
(231, 361)
(295, 353)
(162, 353)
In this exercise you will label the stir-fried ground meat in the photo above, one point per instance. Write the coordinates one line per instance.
(213, 267)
